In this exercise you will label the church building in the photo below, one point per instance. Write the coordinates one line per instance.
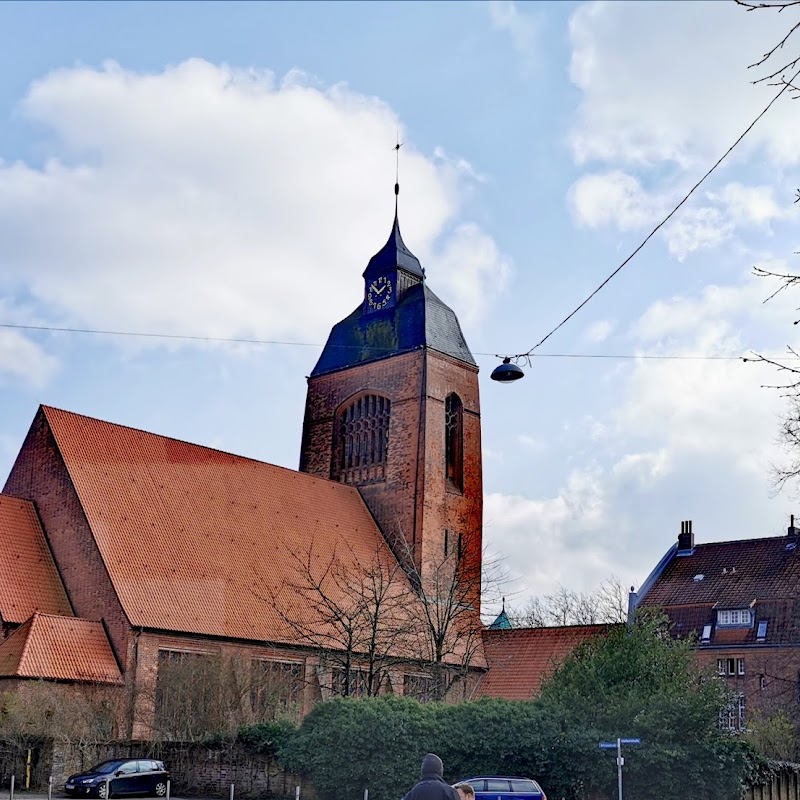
(145, 564)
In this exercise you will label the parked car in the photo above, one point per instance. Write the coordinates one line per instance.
(505, 788)
(123, 776)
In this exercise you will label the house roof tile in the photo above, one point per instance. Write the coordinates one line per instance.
(29, 580)
(201, 541)
(520, 659)
(760, 574)
(59, 648)
(730, 574)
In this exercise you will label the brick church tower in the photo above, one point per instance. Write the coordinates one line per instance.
(393, 409)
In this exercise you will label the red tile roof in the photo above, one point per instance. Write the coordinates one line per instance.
(29, 580)
(520, 659)
(59, 648)
(199, 540)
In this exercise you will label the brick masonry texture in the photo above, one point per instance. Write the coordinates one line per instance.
(413, 506)
(39, 474)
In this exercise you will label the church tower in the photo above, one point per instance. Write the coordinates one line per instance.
(393, 409)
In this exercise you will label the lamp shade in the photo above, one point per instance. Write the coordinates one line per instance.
(507, 372)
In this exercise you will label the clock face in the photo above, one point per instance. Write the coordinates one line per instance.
(379, 292)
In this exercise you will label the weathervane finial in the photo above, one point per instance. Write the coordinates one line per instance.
(396, 149)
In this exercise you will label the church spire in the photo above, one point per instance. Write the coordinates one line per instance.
(394, 254)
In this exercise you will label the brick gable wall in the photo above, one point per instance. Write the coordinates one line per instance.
(39, 475)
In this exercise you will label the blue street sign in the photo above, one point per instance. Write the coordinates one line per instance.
(630, 741)
(608, 745)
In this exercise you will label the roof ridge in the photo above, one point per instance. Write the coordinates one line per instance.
(24, 651)
(562, 627)
(16, 497)
(782, 537)
(142, 431)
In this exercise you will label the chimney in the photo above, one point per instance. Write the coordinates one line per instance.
(686, 537)
(792, 531)
(633, 599)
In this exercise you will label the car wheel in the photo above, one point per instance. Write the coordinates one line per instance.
(101, 790)
(160, 788)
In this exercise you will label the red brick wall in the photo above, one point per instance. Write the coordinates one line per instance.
(413, 503)
(780, 666)
(39, 474)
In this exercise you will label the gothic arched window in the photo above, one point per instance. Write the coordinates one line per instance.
(454, 441)
(362, 440)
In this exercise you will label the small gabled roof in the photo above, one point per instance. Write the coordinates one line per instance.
(59, 648)
(394, 254)
(522, 658)
(29, 580)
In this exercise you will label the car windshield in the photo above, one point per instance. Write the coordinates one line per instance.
(105, 766)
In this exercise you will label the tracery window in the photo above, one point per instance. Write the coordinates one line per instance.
(362, 440)
(276, 689)
(454, 441)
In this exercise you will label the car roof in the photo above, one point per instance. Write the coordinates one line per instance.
(498, 778)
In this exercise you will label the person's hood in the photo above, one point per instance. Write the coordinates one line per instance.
(431, 766)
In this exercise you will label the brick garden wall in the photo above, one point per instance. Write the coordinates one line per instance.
(195, 769)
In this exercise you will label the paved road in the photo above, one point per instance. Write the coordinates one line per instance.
(22, 795)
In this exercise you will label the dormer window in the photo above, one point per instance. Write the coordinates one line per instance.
(735, 617)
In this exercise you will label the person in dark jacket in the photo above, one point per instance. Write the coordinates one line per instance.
(432, 786)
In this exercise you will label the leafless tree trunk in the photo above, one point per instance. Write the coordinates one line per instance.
(609, 603)
(354, 613)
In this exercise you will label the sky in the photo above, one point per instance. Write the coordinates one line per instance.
(226, 170)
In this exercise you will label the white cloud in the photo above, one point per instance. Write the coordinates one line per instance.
(683, 436)
(23, 359)
(531, 443)
(209, 200)
(612, 198)
(473, 271)
(668, 82)
(599, 331)
(753, 205)
(617, 199)
(521, 28)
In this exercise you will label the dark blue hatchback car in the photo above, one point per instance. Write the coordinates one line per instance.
(505, 788)
(122, 776)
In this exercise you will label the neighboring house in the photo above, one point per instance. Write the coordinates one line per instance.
(521, 659)
(740, 600)
(143, 553)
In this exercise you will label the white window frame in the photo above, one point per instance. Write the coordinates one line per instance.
(740, 666)
(734, 617)
(720, 666)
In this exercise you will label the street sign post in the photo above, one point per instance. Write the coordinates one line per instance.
(620, 760)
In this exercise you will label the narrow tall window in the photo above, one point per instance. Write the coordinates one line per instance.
(454, 441)
(362, 440)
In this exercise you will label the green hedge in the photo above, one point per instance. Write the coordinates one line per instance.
(633, 682)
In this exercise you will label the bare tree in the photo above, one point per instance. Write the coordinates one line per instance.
(449, 628)
(78, 715)
(356, 614)
(780, 75)
(608, 603)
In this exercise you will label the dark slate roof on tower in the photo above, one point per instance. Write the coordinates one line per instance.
(420, 319)
(394, 254)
